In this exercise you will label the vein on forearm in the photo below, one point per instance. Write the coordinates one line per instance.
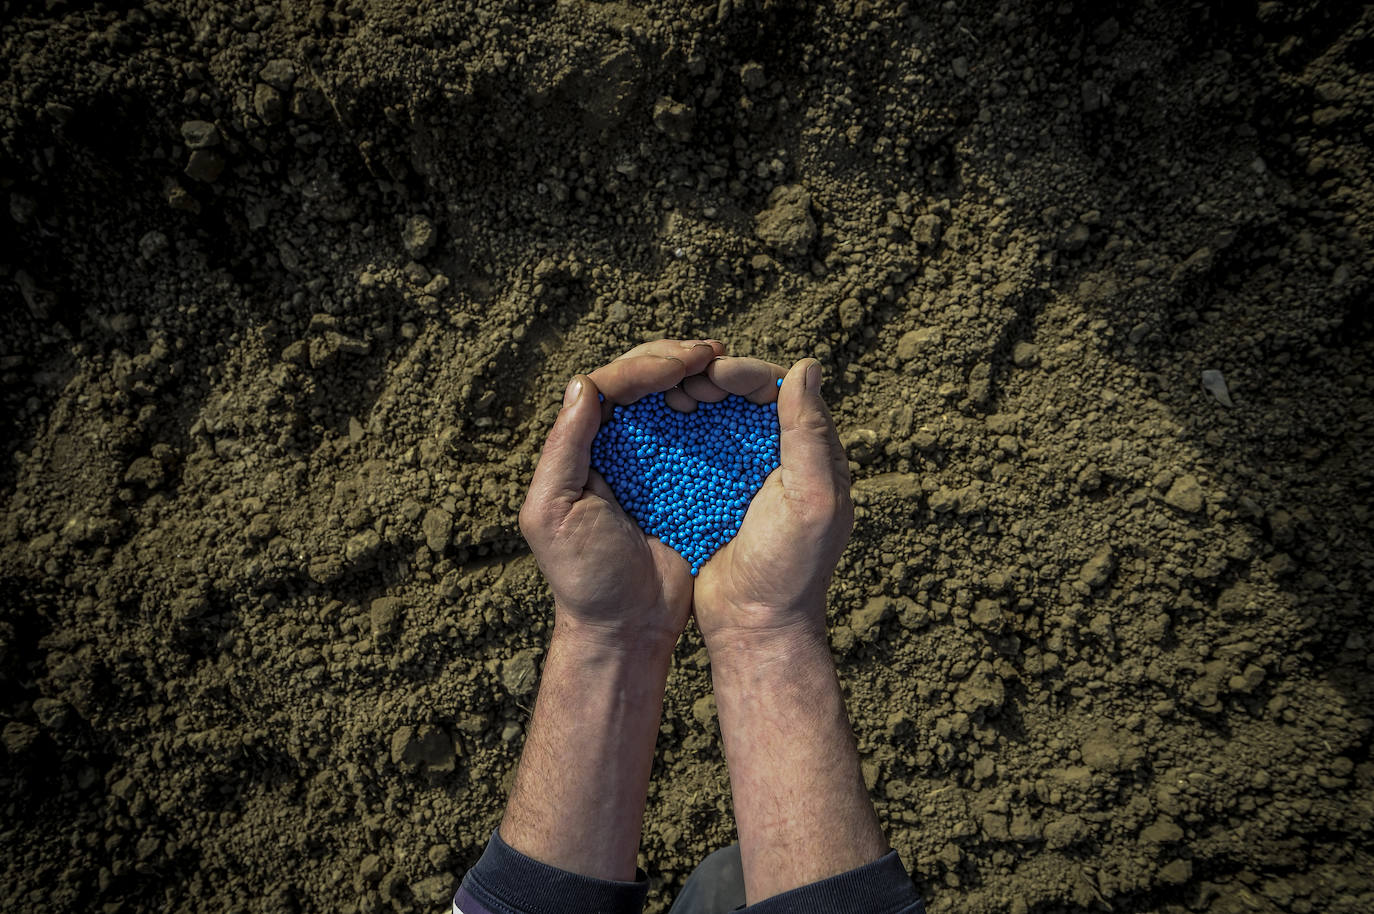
(579, 793)
(801, 807)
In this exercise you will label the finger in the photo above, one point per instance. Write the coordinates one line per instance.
(676, 399)
(627, 380)
(701, 389)
(565, 463)
(810, 448)
(753, 379)
(674, 348)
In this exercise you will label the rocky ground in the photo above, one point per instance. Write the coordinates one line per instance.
(290, 293)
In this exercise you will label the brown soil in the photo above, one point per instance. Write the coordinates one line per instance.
(290, 293)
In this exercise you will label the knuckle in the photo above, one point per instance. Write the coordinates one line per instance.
(529, 517)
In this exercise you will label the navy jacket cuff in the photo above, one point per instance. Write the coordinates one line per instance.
(505, 881)
(880, 887)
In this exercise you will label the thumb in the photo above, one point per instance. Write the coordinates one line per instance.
(810, 450)
(565, 462)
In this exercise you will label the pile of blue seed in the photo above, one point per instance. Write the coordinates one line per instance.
(687, 478)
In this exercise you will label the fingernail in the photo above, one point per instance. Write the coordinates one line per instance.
(813, 378)
(691, 345)
(573, 392)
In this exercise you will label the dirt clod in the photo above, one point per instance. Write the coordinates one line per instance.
(787, 225)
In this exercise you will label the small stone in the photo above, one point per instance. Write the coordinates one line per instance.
(280, 74)
(1214, 382)
(440, 855)
(704, 710)
(1076, 237)
(987, 614)
(1247, 680)
(437, 528)
(370, 869)
(200, 134)
(385, 614)
(261, 527)
(308, 104)
(362, 545)
(851, 313)
(1185, 495)
(52, 713)
(1102, 754)
(19, 737)
(981, 691)
(995, 826)
(943, 500)
(346, 344)
(674, 119)
(1024, 828)
(914, 342)
(1163, 831)
(180, 198)
(752, 76)
(390, 886)
(432, 890)
(1098, 569)
(960, 67)
(147, 472)
(860, 445)
(520, 673)
(59, 112)
(151, 244)
(865, 621)
(205, 165)
(1002, 423)
(1064, 831)
(418, 236)
(927, 230)
(1176, 873)
(786, 225)
(1325, 117)
(1024, 355)
(268, 104)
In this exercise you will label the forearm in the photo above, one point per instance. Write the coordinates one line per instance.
(579, 794)
(801, 807)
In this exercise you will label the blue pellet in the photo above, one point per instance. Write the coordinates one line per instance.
(687, 478)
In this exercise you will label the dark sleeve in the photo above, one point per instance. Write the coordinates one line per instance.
(505, 881)
(880, 887)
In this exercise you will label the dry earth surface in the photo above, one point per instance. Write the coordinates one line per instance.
(290, 293)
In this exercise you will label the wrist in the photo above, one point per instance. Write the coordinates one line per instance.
(596, 642)
(801, 641)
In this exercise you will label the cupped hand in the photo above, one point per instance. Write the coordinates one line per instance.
(610, 581)
(770, 580)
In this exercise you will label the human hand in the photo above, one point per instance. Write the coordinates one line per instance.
(610, 581)
(770, 581)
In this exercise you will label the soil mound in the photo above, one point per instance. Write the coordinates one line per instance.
(290, 294)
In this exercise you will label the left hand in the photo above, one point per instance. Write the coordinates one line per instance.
(610, 581)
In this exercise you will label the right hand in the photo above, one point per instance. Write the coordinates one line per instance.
(769, 582)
